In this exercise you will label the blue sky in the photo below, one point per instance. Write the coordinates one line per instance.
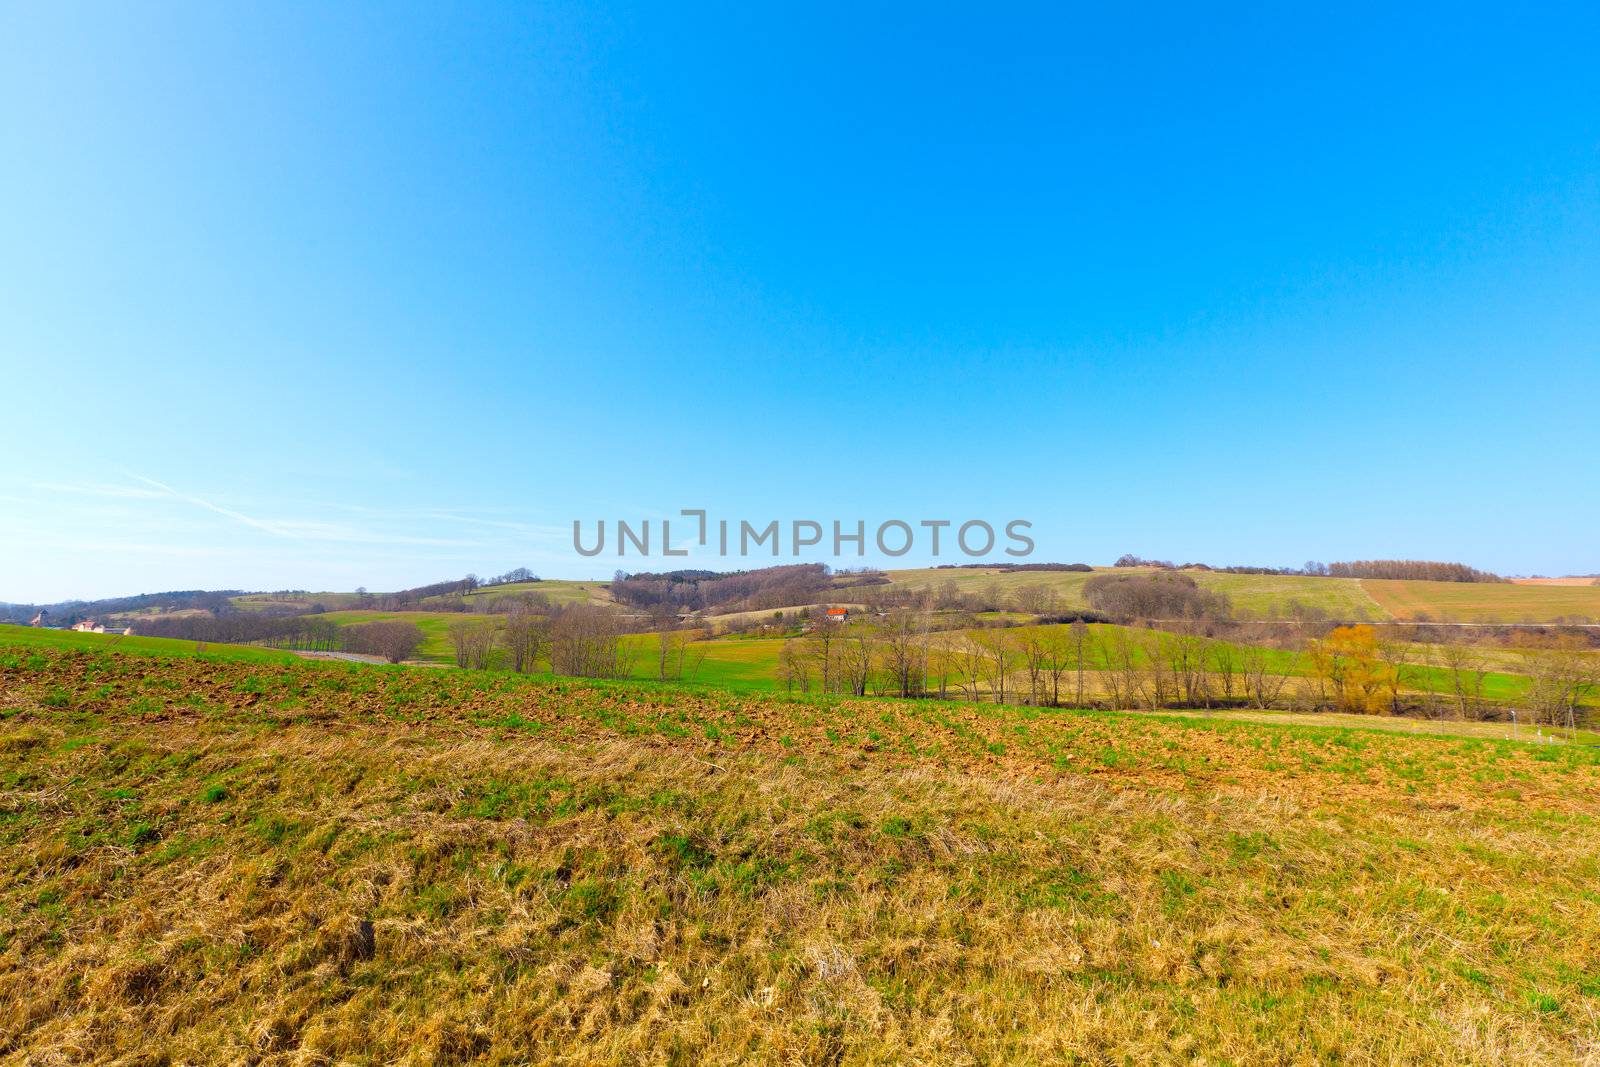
(377, 295)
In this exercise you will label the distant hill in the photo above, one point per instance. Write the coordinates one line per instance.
(1037, 589)
(67, 612)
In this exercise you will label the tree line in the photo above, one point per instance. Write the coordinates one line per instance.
(303, 632)
(1405, 569)
(1197, 663)
(1411, 570)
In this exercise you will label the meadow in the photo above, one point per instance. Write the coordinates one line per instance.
(31, 637)
(557, 591)
(205, 860)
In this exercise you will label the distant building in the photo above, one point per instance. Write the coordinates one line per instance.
(838, 614)
(88, 626)
(38, 620)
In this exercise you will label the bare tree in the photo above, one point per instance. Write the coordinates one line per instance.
(1262, 683)
(1123, 667)
(1033, 647)
(1080, 650)
(905, 653)
(856, 660)
(1561, 672)
(1036, 598)
(1057, 660)
(586, 641)
(794, 666)
(970, 660)
(1466, 669)
(473, 640)
(1153, 669)
(1224, 657)
(822, 648)
(1185, 654)
(1396, 659)
(999, 657)
(395, 640)
(525, 636)
(941, 664)
(668, 642)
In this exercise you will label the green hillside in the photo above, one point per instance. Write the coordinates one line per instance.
(29, 637)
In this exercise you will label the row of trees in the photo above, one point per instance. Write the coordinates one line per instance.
(394, 640)
(1421, 570)
(1409, 569)
(1346, 668)
(305, 632)
(1076, 665)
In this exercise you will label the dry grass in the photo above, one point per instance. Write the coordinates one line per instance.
(209, 862)
(1584, 580)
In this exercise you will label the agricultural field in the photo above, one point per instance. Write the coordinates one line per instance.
(1068, 585)
(1253, 595)
(557, 591)
(1485, 602)
(1575, 580)
(211, 861)
(1269, 595)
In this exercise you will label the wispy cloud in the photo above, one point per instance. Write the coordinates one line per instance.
(95, 489)
(267, 525)
(305, 529)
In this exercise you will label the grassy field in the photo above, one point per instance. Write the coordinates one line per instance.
(1485, 602)
(28, 637)
(743, 664)
(1267, 595)
(1253, 595)
(203, 861)
(1068, 585)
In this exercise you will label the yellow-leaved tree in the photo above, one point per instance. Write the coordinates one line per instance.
(1347, 661)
